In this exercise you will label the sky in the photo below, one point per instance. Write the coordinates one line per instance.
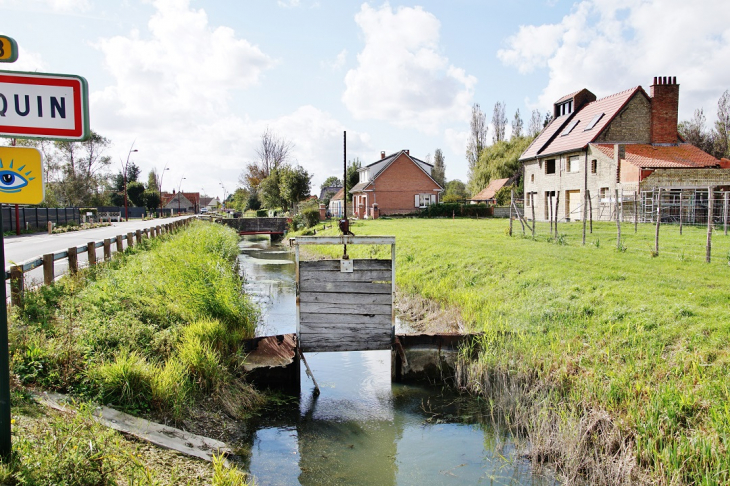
(193, 84)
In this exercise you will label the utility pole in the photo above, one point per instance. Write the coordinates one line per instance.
(124, 178)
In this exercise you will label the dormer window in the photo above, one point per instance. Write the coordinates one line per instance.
(594, 121)
(565, 108)
(569, 128)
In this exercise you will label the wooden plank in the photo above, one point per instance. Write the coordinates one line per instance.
(356, 276)
(355, 309)
(341, 347)
(322, 343)
(334, 265)
(345, 320)
(318, 297)
(346, 287)
(346, 240)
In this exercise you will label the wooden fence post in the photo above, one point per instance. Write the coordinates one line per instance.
(91, 251)
(726, 200)
(159, 231)
(590, 211)
(618, 223)
(48, 269)
(585, 210)
(120, 244)
(636, 212)
(557, 206)
(710, 218)
(532, 205)
(138, 234)
(73, 260)
(658, 221)
(511, 203)
(681, 217)
(550, 198)
(130, 240)
(107, 249)
(17, 285)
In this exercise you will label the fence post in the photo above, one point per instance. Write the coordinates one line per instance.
(590, 212)
(724, 210)
(618, 223)
(710, 217)
(73, 260)
(658, 221)
(557, 206)
(511, 203)
(636, 212)
(91, 251)
(159, 230)
(120, 245)
(130, 240)
(532, 205)
(138, 234)
(550, 198)
(48, 269)
(107, 249)
(681, 217)
(17, 285)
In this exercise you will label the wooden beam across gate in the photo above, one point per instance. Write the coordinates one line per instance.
(343, 304)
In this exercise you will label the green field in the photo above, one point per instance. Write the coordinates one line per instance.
(579, 332)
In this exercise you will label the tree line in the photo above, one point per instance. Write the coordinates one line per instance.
(77, 174)
(714, 140)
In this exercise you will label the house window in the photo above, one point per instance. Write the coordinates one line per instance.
(423, 200)
(593, 122)
(528, 199)
(532, 177)
(550, 166)
(604, 195)
(565, 108)
(574, 163)
(569, 128)
(594, 166)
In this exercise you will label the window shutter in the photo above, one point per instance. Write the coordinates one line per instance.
(416, 200)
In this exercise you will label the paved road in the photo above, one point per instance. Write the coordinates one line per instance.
(19, 249)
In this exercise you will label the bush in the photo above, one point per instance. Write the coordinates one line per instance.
(447, 210)
(311, 216)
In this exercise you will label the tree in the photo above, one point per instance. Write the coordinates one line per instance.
(477, 137)
(294, 185)
(548, 119)
(153, 183)
(439, 167)
(499, 122)
(135, 192)
(82, 166)
(498, 161)
(534, 127)
(331, 181)
(151, 199)
(353, 176)
(252, 176)
(695, 132)
(269, 191)
(722, 126)
(455, 191)
(253, 202)
(517, 125)
(273, 151)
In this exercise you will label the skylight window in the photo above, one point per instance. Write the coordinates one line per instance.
(593, 122)
(569, 128)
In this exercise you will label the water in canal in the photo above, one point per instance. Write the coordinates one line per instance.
(363, 429)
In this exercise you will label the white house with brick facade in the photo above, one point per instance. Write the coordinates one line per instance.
(595, 147)
(396, 184)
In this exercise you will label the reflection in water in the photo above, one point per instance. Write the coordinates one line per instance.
(363, 429)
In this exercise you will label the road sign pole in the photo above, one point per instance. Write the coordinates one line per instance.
(5, 438)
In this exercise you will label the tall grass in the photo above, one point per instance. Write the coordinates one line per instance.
(154, 330)
(581, 332)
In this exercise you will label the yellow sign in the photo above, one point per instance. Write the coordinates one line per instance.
(21, 176)
(8, 49)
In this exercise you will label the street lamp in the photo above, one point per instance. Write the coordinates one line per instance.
(159, 188)
(224, 195)
(178, 195)
(124, 178)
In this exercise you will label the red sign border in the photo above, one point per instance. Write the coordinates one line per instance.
(76, 83)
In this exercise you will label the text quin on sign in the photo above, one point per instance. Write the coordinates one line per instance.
(39, 105)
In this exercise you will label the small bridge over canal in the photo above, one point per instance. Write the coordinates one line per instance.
(276, 227)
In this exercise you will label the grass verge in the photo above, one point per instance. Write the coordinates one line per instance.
(613, 362)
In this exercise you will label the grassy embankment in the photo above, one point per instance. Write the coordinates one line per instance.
(615, 363)
(153, 332)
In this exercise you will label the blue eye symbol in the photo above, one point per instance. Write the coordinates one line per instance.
(11, 181)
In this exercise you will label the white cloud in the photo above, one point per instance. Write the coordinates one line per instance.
(171, 93)
(28, 61)
(61, 6)
(338, 63)
(288, 3)
(401, 76)
(612, 45)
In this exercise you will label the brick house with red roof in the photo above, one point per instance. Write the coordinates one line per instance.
(621, 142)
(396, 184)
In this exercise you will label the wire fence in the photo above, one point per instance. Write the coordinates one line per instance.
(686, 224)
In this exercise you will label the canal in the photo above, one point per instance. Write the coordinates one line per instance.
(363, 429)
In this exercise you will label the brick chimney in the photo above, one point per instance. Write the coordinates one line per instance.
(664, 109)
(382, 155)
(408, 152)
